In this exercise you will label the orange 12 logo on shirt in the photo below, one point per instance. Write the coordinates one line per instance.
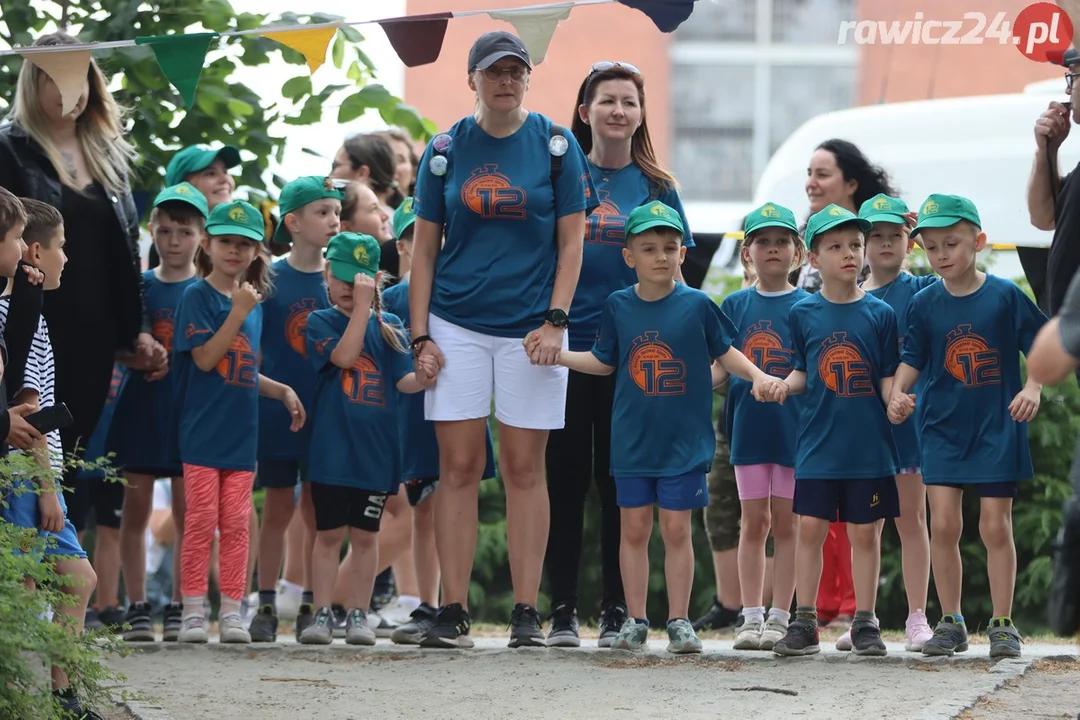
(606, 225)
(296, 325)
(969, 358)
(654, 367)
(491, 195)
(238, 366)
(164, 328)
(765, 348)
(843, 369)
(363, 383)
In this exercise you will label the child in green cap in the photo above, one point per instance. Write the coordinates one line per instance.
(662, 337)
(207, 169)
(964, 340)
(216, 359)
(844, 358)
(362, 359)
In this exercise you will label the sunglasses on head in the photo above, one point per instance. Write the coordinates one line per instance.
(605, 65)
(337, 183)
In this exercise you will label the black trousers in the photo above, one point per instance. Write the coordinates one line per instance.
(576, 456)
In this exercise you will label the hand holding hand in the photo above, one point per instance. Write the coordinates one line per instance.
(545, 343)
(769, 389)
(900, 408)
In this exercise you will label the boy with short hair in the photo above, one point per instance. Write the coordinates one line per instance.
(845, 348)
(662, 337)
(966, 334)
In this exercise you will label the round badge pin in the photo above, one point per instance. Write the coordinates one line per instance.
(558, 146)
(438, 165)
(441, 143)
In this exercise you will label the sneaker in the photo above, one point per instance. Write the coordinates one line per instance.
(339, 614)
(396, 614)
(231, 629)
(304, 618)
(173, 617)
(525, 627)
(193, 630)
(801, 639)
(321, 629)
(113, 618)
(450, 629)
(681, 638)
(775, 629)
(916, 631)
(263, 627)
(843, 643)
(749, 637)
(288, 603)
(718, 618)
(249, 606)
(379, 625)
(1004, 641)
(357, 631)
(949, 638)
(866, 639)
(139, 624)
(840, 622)
(564, 628)
(632, 636)
(611, 621)
(420, 622)
(92, 621)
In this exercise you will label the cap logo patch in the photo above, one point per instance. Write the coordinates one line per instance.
(182, 190)
(882, 204)
(238, 214)
(360, 254)
(770, 212)
(837, 212)
(406, 207)
(658, 210)
(930, 207)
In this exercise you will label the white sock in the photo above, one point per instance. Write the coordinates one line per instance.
(193, 607)
(229, 606)
(782, 615)
(409, 602)
(754, 614)
(288, 588)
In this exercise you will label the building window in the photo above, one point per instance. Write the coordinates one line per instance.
(800, 92)
(814, 22)
(720, 20)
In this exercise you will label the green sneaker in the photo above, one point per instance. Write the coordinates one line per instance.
(632, 636)
(950, 637)
(681, 637)
(1004, 639)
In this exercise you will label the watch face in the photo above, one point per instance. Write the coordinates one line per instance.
(557, 317)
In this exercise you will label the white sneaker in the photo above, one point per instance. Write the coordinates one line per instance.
(380, 626)
(231, 629)
(775, 629)
(749, 637)
(193, 629)
(396, 613)
(844, 642)
(288, 601)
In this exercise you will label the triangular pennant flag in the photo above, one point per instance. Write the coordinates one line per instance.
(181, 58)
(311, 43)
(67, 69)
(534, 27)
(667, 15)
(417, 42)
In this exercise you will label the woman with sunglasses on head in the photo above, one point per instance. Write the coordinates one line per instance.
(511, 192)
(610, 125)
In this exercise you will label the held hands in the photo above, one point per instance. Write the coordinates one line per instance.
(426, 369)
(1054, 124)
(295, 408)
(769, 389)
(245, 297)
(544, 344)
(52, 515)
(1025, 405)
(901, 407)
(22, 435)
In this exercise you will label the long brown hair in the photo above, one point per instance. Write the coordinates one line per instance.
(641, 148)
(375, 152)
(258, 273)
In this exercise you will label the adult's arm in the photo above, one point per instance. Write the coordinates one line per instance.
(427, 241)
(131, 230)
(24, 314)
(1056, 350)
(1051, 129)
(570, 237)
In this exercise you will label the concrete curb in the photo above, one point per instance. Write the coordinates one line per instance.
(947, 708)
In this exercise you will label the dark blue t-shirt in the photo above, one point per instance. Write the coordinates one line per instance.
(662, 352)
(419, 446)
(354, 433)
(284, 357)
(759, 432)
(967, 350)
(143, 425)
(898, 295)
(603, 270)
(498, 209)
(219, 409)
(845, 349)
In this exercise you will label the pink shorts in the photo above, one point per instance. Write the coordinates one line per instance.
(760, 482)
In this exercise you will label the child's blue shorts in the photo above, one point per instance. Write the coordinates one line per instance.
(682, 492)
(21, 509)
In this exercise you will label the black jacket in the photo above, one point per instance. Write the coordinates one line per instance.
(27, 172)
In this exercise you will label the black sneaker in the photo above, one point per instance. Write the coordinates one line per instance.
(801, 639)
(525, 627)
(263, 627)
(1004, 639)
(950, 637)
(139, 624)
(93, 620)
(866, 639)
(174, 620)
(421, 620)
(450, 630)
(718, 618)
(340, 617)
(611, 621)
(564, 628)
(112, 618)
(304, 617)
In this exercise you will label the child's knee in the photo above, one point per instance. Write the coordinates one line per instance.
(863, 536)
(754, 525)
(812, 531)
(80, 578)
(636, 527)
(363, 540)
(995, 529)
(330, 538)
(675, 528)
(945, 528)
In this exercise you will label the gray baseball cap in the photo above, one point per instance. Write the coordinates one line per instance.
(491, 47)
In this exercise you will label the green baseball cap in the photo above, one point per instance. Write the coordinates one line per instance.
(194, 158)
(652, 215)
(185, 193)
(350, 253)
(770, 215)
(404, 217)
(885, 209)
(830, 217)
(945, 211)
(237, 218)
(304, 191)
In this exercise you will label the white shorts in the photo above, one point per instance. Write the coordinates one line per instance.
(527, 396)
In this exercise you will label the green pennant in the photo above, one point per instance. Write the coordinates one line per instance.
(181, 58)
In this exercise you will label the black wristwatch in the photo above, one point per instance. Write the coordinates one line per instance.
(557, 317)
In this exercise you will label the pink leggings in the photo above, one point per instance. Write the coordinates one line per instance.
(760, 482)
(216, 500)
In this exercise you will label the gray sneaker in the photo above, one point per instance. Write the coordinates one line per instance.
(357, 631)
(682, 640)
(749, 636)
(321, 629)
(193, 630)
(1004, 641)
(632, 636)
(231, 629)
(775, 630)
(950, 637)
(422, 619)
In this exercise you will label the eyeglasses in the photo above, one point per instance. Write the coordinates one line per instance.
(605, 65)
(517, 73)
(1069, 77)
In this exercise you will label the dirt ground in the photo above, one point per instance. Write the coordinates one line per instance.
(1050, 690)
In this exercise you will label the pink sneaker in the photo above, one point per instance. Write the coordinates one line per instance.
(916, 631)
(843, 643)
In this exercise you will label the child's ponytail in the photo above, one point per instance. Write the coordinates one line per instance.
(259, 273)
(392, 335)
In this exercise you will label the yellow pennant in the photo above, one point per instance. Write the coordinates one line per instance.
(311, 44)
